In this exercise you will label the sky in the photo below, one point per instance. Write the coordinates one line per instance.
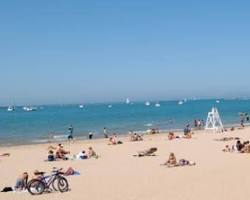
(99, 51)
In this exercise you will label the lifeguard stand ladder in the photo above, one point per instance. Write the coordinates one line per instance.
(214, 122)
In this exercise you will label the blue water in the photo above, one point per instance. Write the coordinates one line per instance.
(29, 127)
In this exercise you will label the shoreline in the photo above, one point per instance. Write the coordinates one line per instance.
(84, 139)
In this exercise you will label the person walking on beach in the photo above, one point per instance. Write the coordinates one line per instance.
(71, 130)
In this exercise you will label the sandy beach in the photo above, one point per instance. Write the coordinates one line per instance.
(117, 175)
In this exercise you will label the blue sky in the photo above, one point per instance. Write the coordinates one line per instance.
(93, 51)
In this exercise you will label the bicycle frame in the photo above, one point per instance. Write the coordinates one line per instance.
(48, 180)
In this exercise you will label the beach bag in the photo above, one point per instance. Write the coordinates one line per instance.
(7, 189)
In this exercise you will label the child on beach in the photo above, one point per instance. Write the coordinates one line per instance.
(51, 156)
(92, 153)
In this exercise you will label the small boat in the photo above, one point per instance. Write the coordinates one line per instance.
(180, 102)
(147, 103)
(81, 106)
(29, 108)
(217, 101)
(157, 104)
(11, 108)
(109, 106)
(127, 101)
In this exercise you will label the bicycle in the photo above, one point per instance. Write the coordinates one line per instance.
(55, 181)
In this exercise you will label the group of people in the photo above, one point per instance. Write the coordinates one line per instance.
(170, 162)
(198, 124)
(134, 137)
(112, 140)
(86, 155)
(240, 147)
(187, 135)
(61, 154)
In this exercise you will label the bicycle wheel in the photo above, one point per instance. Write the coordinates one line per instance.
(55, 184)
(62, 185)
(36, 187)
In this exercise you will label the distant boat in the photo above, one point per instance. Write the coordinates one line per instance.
(217, 101)
(147, 103)
(157, 104)
(109, 106)
(127, 101)
(11, 108)
(81, 106)
(180, 102)
(29, 108)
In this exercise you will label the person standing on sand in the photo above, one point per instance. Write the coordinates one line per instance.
(105, 132)
(71, 130)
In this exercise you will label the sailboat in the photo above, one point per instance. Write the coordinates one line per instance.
(11, 108)
(29, 108)
(180, 102)
(127, 101)
(157, 104)
(147, 103)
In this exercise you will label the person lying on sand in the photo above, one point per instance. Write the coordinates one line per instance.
(5, 154)
(147, 152)
(69, 172)
(225, 139)
(172, 162)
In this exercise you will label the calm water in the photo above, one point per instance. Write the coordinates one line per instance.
(31, 127)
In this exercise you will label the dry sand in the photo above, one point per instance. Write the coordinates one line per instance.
(117, 175)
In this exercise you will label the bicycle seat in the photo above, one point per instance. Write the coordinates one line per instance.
(40, 173)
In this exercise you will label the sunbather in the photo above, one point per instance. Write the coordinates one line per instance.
(147, 152)
(172, 162)
(5, 154)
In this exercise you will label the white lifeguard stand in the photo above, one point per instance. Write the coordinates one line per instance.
(214, 122)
